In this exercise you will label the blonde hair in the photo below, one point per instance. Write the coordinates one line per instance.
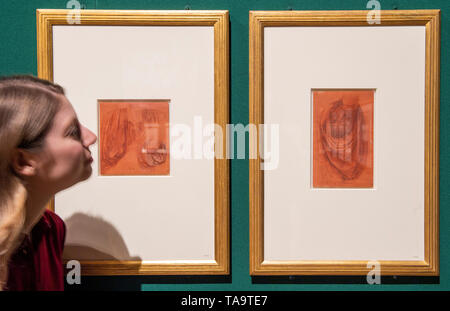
(27, 108)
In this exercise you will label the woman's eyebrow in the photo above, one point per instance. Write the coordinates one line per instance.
(73, 122)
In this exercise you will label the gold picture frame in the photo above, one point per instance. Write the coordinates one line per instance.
(219, 20)
(430, 19)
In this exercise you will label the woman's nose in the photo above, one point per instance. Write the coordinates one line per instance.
(89, 138)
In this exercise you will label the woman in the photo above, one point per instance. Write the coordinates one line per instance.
(43, 150)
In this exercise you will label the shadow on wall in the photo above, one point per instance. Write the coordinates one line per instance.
(93, 238)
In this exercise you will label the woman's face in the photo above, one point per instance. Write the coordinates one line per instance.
(65, 158)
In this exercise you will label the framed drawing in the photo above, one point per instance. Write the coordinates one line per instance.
(151, 85)
(356, 106)
(134, 137)
(342, 138)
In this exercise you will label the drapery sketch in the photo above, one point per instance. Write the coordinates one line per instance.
(134, 137)
(343, 138)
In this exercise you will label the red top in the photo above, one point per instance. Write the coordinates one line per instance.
(37, 264)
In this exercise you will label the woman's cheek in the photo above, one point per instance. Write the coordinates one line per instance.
(71, 161)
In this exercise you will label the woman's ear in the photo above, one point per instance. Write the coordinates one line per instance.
(24, 163)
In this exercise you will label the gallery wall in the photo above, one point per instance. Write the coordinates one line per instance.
(18, 56)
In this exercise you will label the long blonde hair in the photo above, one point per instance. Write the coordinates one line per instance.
(27, 108)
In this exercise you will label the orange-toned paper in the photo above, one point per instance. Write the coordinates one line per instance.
(134, 137)
(343, 138)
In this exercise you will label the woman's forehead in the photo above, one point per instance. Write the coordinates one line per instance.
(65, 114)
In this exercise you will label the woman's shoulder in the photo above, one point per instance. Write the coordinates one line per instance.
(57, 225)
(53, 218)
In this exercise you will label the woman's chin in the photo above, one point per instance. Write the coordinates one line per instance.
(88, 172)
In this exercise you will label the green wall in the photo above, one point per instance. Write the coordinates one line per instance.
(18, 55)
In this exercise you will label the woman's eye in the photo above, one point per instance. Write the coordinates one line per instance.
(75, 132)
